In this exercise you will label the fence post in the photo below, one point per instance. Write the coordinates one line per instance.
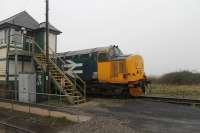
(29, 101)
(12, 95)
(85, 90)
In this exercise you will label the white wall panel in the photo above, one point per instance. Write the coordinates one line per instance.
(12, 67)
(52, 42)
(11, 78)
(2, 36)
(2, 67)
(27, 67)
(2, 78)
(3, 53)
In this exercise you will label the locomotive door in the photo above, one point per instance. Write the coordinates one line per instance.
(118, 70)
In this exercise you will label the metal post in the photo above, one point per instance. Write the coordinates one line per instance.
(47, 47)
(33, 45)
(16, 73)
(22, 64)
(85, 90)
(7, 56)
(29, 101)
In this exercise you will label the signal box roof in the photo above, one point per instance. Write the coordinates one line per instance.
(23, 19)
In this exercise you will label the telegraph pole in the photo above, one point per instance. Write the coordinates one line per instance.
(47, 47)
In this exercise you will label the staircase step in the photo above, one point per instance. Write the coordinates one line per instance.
(59, 80)
(68, 89)
(54, 70)
(72, 93)
(57, 76)
(76, 97)
(40, 58)
(69, 93)
(55, 73)
(80, 101)
(68, 85)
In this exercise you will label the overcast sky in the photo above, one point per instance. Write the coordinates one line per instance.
(165, 32)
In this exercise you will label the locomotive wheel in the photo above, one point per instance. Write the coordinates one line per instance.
(135, 91)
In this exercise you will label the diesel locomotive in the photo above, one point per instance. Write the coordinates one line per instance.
(107, 71)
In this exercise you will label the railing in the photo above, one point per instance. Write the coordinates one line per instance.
(18, 43)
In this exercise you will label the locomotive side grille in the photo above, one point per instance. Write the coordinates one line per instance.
(114, 69)
(118, 67)
(122, 67)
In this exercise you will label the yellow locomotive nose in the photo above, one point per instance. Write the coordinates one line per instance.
(135, 69)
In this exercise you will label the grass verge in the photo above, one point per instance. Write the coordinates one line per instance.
(177, 91)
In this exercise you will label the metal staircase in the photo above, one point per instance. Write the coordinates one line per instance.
(65, 85)
(73, 88)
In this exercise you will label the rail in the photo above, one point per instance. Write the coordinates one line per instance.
(16, 128)
(171, 100)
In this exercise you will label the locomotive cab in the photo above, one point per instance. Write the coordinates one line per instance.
(123, 70)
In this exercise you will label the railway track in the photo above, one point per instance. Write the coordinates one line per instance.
(182, 101)
(14, 129)
(171, 100)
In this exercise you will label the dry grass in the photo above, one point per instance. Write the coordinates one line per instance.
(178, 91)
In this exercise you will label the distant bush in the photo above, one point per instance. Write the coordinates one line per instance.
(178, 78)
(153, 79)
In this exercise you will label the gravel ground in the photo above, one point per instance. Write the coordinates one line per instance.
(115, 116)
(99, 125)
(34, 123)
(137, 116)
